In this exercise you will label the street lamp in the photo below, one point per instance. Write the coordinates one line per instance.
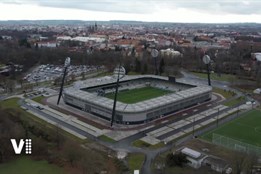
(154, 54)
(67, 63)
(207, 60)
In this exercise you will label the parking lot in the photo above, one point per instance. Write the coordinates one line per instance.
(51, 72)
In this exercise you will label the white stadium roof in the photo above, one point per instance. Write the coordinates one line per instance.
(94, 99)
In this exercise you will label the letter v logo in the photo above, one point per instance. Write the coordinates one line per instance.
(17, 149)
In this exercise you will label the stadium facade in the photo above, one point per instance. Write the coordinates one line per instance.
(89, 96)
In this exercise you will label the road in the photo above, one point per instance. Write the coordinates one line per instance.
(125, 144)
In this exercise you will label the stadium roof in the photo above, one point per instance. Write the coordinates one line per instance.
(142, 106)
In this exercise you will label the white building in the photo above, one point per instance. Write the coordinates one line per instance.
(136, 171)
(195, 158)
(170, 52)
(257, 91)
(47, 44)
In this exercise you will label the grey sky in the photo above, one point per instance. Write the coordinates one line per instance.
(148, 6)
(206, 11)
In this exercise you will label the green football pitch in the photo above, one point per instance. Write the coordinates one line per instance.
(139, 94)
(246, 128)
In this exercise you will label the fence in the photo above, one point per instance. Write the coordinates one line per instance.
(235, 144)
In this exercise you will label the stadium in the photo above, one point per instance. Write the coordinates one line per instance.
(140, 99)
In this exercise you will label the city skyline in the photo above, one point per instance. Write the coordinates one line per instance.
(193, 11)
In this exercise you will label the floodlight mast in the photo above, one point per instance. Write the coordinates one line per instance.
(154, 54)
(207, 60)
(115, 96)
(66, 65)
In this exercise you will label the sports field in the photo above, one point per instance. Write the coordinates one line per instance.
(246, 128)
(138, 95)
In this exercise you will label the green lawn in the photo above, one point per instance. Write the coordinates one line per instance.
(138, 95)
(234, 101)
(140, 143)
(135, 161)
(246, 128)
(38, 99)
(107, 139)
(214, 76)
(225, 93)
(25, 165)
(10, 103)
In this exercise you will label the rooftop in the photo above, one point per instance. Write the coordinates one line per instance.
(191, 153)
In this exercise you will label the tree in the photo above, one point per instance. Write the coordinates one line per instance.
(72, 152)
(9, 128)
(83, 75)
(25, 43)
(59, 138)
(58, 81)
(178, 159)
(10, 85)
(243, 163)
(21, 81)
(126, 65)
(145, 68)
(36, 46)
(258, 74)
(40, 151)
(73, 77)
(137, 65)
(161, 66)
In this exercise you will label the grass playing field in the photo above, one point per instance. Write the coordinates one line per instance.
(138, 95)
(246, 128)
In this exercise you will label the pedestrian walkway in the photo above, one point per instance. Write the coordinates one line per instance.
(68, 119)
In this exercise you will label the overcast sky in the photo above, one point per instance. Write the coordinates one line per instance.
(204, 11)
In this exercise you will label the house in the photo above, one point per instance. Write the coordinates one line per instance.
(136, 171)
(216, 164)
(195, 158)
(257, 91)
